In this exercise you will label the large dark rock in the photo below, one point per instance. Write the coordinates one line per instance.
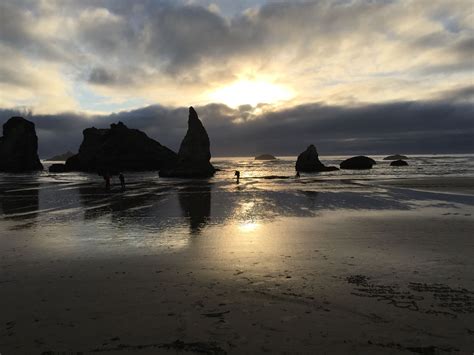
(119, 149)
(309, 162)
(358, 163)
(265, 157)
(57, 168)
(399, 163)
(194, 154)
(19, 147)
(395, 157)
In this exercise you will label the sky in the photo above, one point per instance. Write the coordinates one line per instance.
(350, 76)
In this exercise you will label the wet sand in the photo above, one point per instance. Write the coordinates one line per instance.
(460, 185)
(236, 269)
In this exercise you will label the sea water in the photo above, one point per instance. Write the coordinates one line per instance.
(76, 205)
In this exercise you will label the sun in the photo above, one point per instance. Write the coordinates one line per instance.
(251, 92)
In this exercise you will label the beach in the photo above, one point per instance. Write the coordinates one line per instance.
(327, 264)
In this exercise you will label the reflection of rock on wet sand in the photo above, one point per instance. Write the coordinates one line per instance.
(97, 202)
(195, 202)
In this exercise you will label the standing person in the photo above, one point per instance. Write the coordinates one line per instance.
(237, 174)
(122, 181)
(107, 181)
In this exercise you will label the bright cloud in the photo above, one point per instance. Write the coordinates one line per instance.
(198, 52)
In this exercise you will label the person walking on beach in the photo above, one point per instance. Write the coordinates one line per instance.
(122, 181)
(237, 174)
(107, 181)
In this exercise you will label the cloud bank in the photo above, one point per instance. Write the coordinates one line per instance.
(438, 126)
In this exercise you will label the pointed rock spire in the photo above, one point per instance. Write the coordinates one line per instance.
(194, 153)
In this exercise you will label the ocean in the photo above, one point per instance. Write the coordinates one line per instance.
(267, 190)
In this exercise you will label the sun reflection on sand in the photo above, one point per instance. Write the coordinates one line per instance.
(248, 226)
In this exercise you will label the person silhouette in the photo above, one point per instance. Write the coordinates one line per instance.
(107, 181)
(237, 174)
(122, 181)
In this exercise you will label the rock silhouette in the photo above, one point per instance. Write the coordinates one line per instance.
(57, 168)
(194, 153)
(358, 163)
(309, 162)
(395, 157)
(119, 149)
(399, 163)
(19, 146)
(265, 157)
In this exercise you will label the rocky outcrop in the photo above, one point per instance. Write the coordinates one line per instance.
(194, 154)
(61, 157)
(358, 163)
(309, 162)
(395, 157)
(265, 157)
(57, 168)
(19, 147)
(399, 162)
(119, 149)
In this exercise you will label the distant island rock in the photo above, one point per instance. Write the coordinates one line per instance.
(119, 149)
(309, 162)
(265, 157)
(358, 163)
(399, 162)
(395, 157)
(19, 147)
(61, 157)
(194, 153)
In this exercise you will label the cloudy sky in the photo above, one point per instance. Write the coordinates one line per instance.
(360, 76)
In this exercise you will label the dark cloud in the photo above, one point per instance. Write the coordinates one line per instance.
(440, 126)
(106, 77)
(177, 39)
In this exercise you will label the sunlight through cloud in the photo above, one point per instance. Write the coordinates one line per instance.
(249, 92)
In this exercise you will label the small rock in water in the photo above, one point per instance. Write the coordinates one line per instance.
(399, 163)
(395, 157)
(358, 163)
(265, 157)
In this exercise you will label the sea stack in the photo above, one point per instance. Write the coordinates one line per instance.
(194, 154)
(119, 149)
(358, 163)
(19, 147)
(399, 162)
(309, 162)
